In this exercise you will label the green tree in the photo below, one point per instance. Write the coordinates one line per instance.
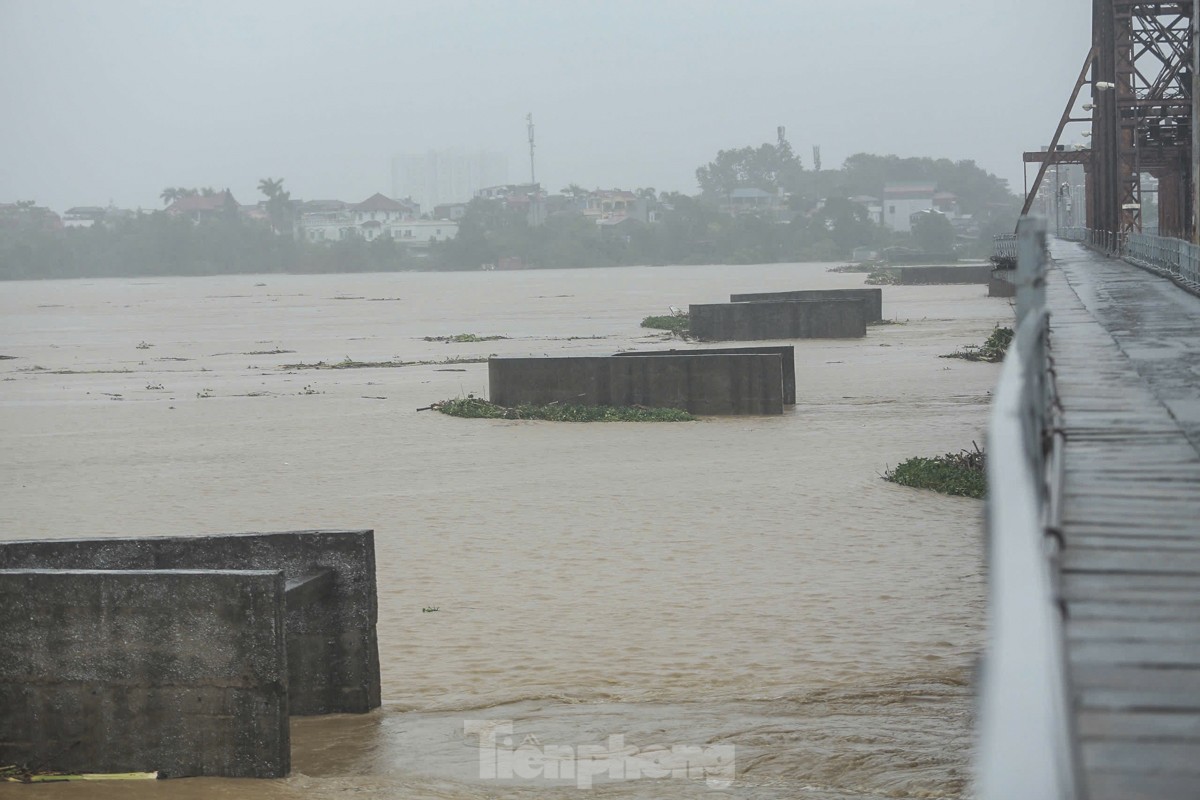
(932, 232)
(845, 223)
(767, 167)
(279, 204)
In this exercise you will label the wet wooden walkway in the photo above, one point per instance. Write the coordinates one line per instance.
(1126, 346)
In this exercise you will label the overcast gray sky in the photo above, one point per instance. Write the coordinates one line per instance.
(116, 99)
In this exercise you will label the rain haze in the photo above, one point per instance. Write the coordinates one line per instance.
(115, 100)
(725, 573)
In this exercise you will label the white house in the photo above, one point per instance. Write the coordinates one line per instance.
(902, 200)
(334, 221)
(421, 232)
(83, 216)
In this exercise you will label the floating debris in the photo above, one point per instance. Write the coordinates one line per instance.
(962, 474)
(992, 350)
(675, 322)
(349, 363)
(461, 338)
(477, 408)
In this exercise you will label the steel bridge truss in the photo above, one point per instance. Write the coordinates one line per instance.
(1141, 65)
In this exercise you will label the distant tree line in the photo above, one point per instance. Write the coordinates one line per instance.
(818, 222)
(160, 244)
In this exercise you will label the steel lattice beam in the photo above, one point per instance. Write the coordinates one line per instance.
(1143, 123)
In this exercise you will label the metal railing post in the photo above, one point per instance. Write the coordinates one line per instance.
(1031, 265)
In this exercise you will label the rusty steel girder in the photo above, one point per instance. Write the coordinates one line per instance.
(1142, 118)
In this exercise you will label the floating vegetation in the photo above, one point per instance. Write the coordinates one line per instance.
(154, 386)
(310, 390)
(7, 358)
(886, 322)
(992, 350)
(275, 352)
(144, 346)
(463, 338)
(676, 323)
(863, 267)
(477, 408)
(20, 774)
(348, 297)
(46, 371)
(430, 609)
(883, 277)
(385, 299)
(349, 363)
(961, 474)
(204, 393)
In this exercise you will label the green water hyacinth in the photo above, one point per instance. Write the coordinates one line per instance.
(478, 408)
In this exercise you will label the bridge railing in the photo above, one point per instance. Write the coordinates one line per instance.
(1179, 259)
(1105, 241)
(1172, 258)
(1004, 247)
(1026, 748)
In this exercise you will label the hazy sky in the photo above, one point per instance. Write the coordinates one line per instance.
(116, 99)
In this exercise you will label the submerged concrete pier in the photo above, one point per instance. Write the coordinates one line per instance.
(786, 352)
(709, 383)
(182, 654)
(872, 298)
(951, 274)
(784, 319)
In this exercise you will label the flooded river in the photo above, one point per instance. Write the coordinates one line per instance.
(741, 582)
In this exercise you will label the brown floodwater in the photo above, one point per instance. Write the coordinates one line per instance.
(741, 581)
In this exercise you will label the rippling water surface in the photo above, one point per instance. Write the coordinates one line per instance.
(744, 581)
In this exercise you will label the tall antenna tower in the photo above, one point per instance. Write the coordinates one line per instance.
(817, 157)
(529, 125)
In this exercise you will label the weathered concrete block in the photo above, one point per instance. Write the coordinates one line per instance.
(977, 273)
(333, 653)
(872, 298)
(1003, 282)
(786, 352)
(791, 319)
(700, 384)
(184, 672)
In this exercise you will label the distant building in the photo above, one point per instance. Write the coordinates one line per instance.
(422, 232)
(374, 218)
(752, 200)
(873, 205)
(451, 211)
(83, 216)
(378, 208)
(200, 207)
(609, 207)
(902, 200)
(438, 177)
(505, 191)
(527, 198)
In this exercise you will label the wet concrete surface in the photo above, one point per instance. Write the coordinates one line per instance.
(1155, 324)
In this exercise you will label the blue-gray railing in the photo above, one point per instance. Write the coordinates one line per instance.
(1004, 246)
(1026, 748)
(1180, 260)
(1164, 255)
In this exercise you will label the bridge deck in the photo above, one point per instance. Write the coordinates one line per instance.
(1127, 350)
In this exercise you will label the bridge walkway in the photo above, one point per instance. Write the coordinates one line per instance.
(1126, 349)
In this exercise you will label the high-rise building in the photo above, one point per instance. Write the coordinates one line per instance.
(446, 176)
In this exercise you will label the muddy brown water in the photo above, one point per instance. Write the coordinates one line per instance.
(745, 581)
